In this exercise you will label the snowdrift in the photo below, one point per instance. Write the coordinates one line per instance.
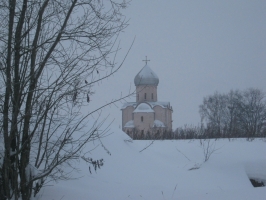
(163, 170)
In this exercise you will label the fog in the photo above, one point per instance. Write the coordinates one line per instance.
(195, 48)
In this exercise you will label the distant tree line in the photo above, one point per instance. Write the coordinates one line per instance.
(151, 135)
(237, 114)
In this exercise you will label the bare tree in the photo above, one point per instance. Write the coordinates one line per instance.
(236, 114)
(212, 111)
(252, 112)
(51, 55)
(208, 147)
(233, 128)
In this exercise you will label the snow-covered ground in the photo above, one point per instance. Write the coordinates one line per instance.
(162, 171)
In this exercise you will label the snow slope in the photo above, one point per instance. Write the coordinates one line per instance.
(162, 171)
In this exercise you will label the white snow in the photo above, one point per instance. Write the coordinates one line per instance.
(128, 104)
(143, 107)
(151, 103)
(256, 169)
(158, 123)
(31, 171)
(130, 124)
(162, 171)
(160, 103)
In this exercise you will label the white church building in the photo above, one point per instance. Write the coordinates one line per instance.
(147, 115)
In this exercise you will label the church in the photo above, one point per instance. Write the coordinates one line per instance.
(147, 117)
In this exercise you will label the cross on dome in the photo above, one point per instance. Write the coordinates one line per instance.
(146, 60)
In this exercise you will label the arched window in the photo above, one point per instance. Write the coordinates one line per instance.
(141, 118)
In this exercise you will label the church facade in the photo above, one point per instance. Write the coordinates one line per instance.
(146, 116)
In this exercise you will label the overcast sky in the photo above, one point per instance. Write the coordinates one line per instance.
(195, 48)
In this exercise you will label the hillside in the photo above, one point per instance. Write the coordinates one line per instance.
(162, 171)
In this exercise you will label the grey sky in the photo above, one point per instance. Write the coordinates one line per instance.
(195, 48)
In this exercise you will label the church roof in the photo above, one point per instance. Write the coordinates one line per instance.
(129, 124)
(158, 123)
(152, 104)
(160, 103)
(146, 77)
(125, 105)
(143, 107)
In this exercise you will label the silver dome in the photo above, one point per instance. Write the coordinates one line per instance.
(146, 77)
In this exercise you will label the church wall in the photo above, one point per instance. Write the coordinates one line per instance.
(168, 118)
(160, 114)
(148, 119)
(164, 115)
(150, 90)
(127, 115)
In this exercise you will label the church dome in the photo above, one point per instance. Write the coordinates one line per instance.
(146, 77)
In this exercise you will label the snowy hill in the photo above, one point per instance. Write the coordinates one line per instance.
(162, 171)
